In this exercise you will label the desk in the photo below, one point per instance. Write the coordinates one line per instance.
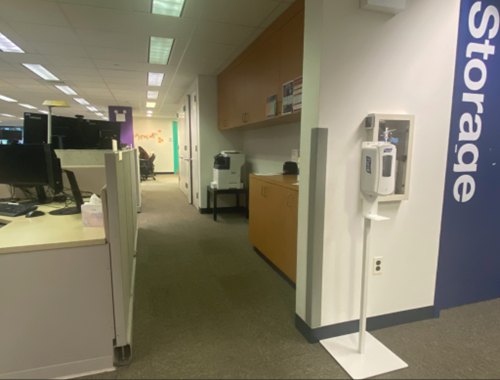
(23, 234)
(217, 192)
(56, 301)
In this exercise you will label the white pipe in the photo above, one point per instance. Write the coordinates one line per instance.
(364, 285)
(49, 126)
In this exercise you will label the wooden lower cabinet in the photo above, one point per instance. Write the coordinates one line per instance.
(273, 220)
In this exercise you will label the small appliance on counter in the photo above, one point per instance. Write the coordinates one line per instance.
(290, 168)
(227, 170)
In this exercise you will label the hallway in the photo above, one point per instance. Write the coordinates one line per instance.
(207, 306)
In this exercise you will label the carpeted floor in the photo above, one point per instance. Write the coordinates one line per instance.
(207, 306)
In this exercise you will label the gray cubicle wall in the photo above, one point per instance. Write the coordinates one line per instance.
(120, 200)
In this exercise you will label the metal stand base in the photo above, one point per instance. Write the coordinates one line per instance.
(376, 360)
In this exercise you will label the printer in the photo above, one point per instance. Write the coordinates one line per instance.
(227, 170)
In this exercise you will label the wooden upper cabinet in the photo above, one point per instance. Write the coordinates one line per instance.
(292, 49)
(262, 78)
(237, 95)
(273, 59)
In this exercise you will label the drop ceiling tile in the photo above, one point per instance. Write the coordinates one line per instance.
(123, 74)
(111, 4)
(33, 11)
(106, 39)
(111, 20)
(4, 86)
(109, 54)
(84, 71)
(222, 33)
(46, 33)
(83, 84)
(15, 59)
(142, 6)
(148, 24)
(96, 92)
(115, 65)
(137, 81)
(194, 66)
(85, 78)
(61, 50)
(209, 50)
(70, 61)
(127, 86)
(241, 12)
(20, 81)
(278, 11)
(183, 80)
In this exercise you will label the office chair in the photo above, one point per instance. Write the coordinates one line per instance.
(147, 168)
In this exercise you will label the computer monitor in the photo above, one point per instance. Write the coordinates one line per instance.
(36, 165)
(31, 166)
(11, 134)
(68, 132)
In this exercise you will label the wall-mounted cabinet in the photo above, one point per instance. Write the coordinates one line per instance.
(276, 57)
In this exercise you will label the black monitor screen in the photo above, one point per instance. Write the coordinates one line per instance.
(23, 165)
(30, 165)
(11, 134)
(67, 132)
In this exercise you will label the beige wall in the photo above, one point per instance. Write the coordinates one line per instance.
(164, 150)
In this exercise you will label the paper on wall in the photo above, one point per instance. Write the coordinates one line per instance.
(287, 98)
(297, 94)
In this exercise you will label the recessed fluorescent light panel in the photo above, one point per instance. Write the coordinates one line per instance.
(7, 46)
(167, 7)
(67, 90)
(105, 118)
(27, 106)
(159, 50)
(150, 105)
(83, 102)
(41, 71)
(155, 79)
(6, 99)
(7, 115)
(150, 111)
(93, 109)
(153, 94)
(99, 114)
(45, 112)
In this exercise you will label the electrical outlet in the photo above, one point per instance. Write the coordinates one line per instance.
(378, 265)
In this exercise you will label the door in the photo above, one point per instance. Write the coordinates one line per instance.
(184, 149)
(195, 163)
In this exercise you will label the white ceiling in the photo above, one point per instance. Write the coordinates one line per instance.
(100, 49)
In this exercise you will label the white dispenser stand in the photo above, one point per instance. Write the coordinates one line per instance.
(360, 354)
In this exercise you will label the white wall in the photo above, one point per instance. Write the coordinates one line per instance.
(212, 141)
(377, 63)
(267, 149)
(144, 127)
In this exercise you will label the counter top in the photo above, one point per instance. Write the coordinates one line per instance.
(287, 181)
(23, 234)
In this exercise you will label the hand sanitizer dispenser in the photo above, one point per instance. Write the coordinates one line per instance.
(378, 168)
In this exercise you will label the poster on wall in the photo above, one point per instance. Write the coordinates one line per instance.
(297, 94)
(469, 252)
(271, 106)
(287, 98)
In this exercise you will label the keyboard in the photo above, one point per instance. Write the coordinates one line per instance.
(13, 210)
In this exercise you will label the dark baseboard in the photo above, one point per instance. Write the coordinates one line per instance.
(278, 270)
(223, 210)
(159, 173)
(372, 324)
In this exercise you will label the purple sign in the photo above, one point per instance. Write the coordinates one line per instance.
(125, 116)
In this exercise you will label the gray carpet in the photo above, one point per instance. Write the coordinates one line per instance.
(207, 306)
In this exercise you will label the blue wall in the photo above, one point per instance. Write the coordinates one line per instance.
(469, 257)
